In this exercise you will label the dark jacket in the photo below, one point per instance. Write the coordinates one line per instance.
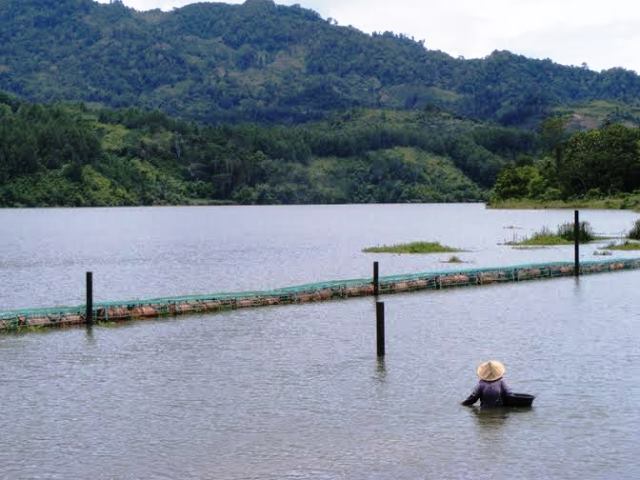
(490, 394)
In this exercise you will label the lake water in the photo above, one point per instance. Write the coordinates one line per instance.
(296, 392)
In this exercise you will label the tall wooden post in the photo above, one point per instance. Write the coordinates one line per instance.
(376, 279)
(380, 328)
(576, 244)
(89, 312)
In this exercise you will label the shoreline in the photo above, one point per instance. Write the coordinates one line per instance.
(631, 203)
(600, 204)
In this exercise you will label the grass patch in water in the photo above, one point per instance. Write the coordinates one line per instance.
(413, 247)
(563, 236)
(544, 237)
(626, 246)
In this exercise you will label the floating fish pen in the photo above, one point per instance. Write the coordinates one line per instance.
(315, 292)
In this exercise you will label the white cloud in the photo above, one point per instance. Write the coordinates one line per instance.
(567, 31)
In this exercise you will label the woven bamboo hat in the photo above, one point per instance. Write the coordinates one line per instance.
(491, 370)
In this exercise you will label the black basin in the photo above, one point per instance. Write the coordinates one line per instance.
(518, 400)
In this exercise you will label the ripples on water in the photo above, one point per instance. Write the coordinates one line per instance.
(296, 392)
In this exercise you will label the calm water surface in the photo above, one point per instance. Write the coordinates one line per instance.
(296, 392)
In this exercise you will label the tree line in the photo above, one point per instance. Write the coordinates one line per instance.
(589, 164)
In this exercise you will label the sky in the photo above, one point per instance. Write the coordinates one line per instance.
(572, 32)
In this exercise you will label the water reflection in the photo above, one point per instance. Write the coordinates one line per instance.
(381, 370)
(576, 283)
(494, 418)
(89, 334)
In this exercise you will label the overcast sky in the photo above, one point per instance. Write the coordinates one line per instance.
(603, 34)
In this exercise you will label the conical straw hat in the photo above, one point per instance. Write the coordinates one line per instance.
(491, 370)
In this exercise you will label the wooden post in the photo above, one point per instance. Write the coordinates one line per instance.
(89, 312)
(576, 243)
(376, 279)
(380, 328)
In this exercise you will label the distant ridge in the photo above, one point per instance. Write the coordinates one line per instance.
(264, 62)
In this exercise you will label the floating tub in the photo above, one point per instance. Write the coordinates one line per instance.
(518, 400)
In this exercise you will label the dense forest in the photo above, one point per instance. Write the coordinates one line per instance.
(593, 164)
(265, 104)
(262, 62)
(75, 155)
(71, 154)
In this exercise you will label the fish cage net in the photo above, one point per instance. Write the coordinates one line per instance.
(312, 292)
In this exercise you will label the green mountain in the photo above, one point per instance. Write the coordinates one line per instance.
(260, 103)
(268, 63)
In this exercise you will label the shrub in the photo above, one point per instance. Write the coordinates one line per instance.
(585, 232)
(413, 247)
(543, 237)
(623, 246)
(634, 233)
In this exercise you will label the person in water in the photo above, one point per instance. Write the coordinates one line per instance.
(491, 389)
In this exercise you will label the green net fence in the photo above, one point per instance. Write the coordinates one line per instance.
(139, 308)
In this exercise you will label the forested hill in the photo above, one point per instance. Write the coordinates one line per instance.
(263, 62)
(74, 155)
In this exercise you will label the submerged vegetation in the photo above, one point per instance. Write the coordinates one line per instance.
(413, 247)
(567, 232)
(624, 246)
(564, 235)
(634, 233)
(543, 237)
